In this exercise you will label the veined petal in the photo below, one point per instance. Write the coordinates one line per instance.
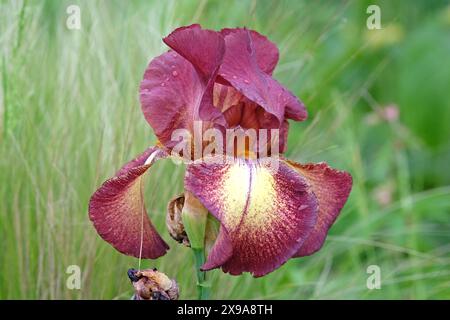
(265, 214)
(118, 212)
(332, 188)
(240, 111)
(240, 68)
(225, 97)
(266, 51)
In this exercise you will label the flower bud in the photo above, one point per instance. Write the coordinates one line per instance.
(174, 221)
(175, 225)
(194, 216)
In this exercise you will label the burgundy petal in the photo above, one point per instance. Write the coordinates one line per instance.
(266, 52)
(221, 251)
(332, 188)
(241, 70)
(265, 214)
(204, 49)
(175, 91)
(118, 212)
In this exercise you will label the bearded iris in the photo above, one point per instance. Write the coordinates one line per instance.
(224, 79)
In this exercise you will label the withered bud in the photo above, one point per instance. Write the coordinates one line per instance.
(174, 220)
(150, 284)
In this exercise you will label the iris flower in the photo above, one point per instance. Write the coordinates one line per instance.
(266, 216)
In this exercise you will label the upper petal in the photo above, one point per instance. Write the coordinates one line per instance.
(266, 51)
(177, 88)
(240, 68)
(169, 94)
(265, 214)
(118, 212)
(332, 188)
(203, 48)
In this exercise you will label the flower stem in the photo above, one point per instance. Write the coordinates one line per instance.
(202, 286)
(194, 217)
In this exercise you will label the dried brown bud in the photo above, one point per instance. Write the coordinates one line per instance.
(174, 221)
(150, 284)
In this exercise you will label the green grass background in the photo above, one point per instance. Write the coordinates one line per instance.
(70, 117)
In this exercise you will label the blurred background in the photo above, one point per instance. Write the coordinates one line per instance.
(379, 108)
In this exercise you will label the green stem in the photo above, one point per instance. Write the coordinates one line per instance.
(202, 285)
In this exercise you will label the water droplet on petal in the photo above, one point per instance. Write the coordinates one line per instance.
(163, 84)
(246, 81)
(234, 77)
(174, 73)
